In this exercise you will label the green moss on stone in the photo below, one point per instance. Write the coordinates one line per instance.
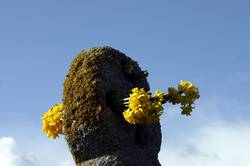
(93, 74)
(80, 98)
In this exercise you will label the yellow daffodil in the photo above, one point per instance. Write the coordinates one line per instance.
(174, 96)
(143, 108)
(186, 94)
(52, 121)
(159, 95)
(191, 92)
(186, 110)
(184, 85)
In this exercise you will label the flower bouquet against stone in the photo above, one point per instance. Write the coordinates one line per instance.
(144, 108)
(141, 106)
(108, 115)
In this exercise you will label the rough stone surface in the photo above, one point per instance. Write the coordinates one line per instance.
(95, 131)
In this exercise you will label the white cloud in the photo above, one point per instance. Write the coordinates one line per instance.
(222, 107)
(9, 155)
(50, 152)
(217, 134)
(215, 145)
(67, 163)
(42, 155)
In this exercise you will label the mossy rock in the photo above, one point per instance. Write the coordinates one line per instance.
(95, 131)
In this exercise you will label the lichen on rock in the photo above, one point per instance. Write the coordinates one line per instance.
(96, 132)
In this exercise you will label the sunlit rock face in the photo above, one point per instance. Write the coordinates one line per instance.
(94, 128)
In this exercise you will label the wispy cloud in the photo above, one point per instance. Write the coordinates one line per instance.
(9, 155)
(220, 144)
(217, 133)
(67, 163)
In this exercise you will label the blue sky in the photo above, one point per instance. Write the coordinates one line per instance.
(206, 42)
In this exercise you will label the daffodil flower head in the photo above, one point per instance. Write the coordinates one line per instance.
(159, 95)
(186, 110)
(190, 91)
(184, 85)
(174, 96)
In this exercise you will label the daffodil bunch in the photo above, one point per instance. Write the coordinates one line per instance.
(143, 108)
(186, 94)
(52, 121)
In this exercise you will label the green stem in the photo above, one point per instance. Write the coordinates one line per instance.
(125, 101)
